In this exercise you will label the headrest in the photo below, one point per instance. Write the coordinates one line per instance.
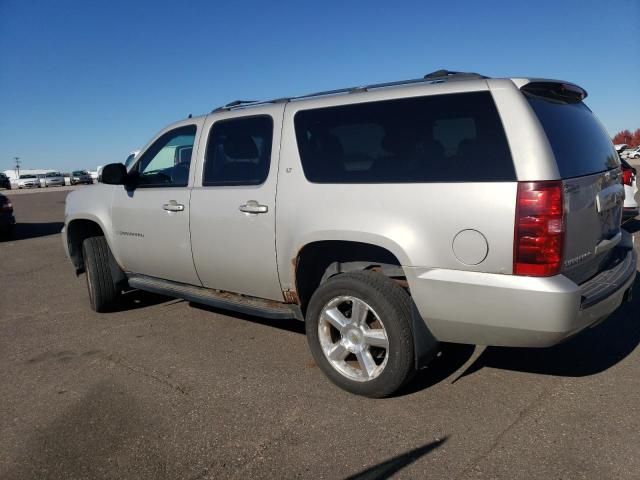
(331, 145)
(185, 155)
(241, 147)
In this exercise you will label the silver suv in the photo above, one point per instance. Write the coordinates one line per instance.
(389, 217)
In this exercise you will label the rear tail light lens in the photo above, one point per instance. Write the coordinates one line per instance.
(539, 229)
(627, 176)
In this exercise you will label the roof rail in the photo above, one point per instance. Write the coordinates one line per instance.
(434, 77)
(450, 75)
(235, 103)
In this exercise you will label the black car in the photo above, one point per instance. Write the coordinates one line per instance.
(7, 220)
(5, 182)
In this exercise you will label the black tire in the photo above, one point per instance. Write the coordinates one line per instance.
(7, 234)
(103, 290)
(393, 306)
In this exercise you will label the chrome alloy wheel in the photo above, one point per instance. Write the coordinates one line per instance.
(353, 338)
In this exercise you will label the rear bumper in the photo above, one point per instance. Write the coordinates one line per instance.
(508, 310)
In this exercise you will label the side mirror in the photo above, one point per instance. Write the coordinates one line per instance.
(114, 174)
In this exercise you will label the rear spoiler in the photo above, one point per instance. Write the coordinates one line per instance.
(555, 90)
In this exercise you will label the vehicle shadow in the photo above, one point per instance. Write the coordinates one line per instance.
(104, 430)
(390, 467)
(134, 299)
(632, 226)
(452, 356)
(289, 324)
(24, 231)
(588, 353)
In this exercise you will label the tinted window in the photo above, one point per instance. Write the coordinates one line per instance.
(443, 138)
(580, 144)
(238, 151)
(166, 163)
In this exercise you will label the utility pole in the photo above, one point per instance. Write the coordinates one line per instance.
(17, 159)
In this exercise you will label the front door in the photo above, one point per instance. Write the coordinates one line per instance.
(151, 220)
(233, 204)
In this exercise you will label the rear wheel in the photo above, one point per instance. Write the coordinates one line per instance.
(359, 332)
(103, 289)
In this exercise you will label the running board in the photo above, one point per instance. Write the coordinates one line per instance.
(216, 298)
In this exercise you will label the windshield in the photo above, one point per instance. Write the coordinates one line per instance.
(578, 140)
(53, 174)
(27, 176)
(79, 172)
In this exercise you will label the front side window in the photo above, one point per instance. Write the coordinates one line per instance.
(167, 162)
(439, 138)
(238, 152)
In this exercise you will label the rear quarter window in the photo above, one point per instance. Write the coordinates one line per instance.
(440, 138)
(579, 142)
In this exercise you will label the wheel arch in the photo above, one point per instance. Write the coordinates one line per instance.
(77, 231)
(318, 261)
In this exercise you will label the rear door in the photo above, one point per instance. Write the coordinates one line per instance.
(593, 191)
(233, 203)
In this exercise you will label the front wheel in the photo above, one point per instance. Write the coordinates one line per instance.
(359, 332)
(103, 288)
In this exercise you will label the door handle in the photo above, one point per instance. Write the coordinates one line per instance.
(173, 206)
(253, 207)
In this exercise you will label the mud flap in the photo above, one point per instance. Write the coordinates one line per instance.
(425, 344)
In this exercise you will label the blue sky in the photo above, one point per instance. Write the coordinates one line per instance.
(83, 83)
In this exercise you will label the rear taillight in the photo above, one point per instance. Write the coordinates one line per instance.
(539, 230)
(627, 176)
(6, 207)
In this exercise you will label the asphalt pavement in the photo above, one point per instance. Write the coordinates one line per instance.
(166, 389)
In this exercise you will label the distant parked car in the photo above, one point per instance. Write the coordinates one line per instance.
(620, 147)
(7, 220)
(633, 152)
(80, 176)
(52, 179)
(28, 181)
(5, 182)
(629, 177)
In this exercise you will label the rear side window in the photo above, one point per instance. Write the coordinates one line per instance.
(578, 140)
(443, 138)
(238, 151)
